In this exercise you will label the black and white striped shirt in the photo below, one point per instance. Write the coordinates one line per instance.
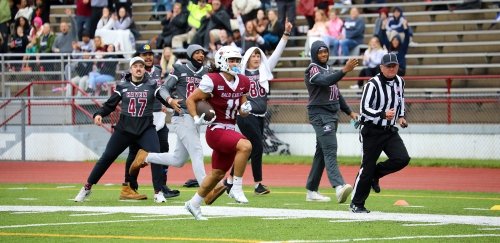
(381, 95)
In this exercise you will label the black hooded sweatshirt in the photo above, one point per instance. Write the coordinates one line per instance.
(321, 82)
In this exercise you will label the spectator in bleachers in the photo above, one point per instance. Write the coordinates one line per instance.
(246, 8)
(334, 31)
(5, 18)
(273, 32)
(43, 44)
(36, 29)
(167, 61)
(373, 9)
(96, 13)
(42, 10)
(396, 45)
(162, 5)
(83, 12)
(64, 40)
(224, 40)
(174, 23)
(249, 36)
(318, 31)
(382, 15)
(218, 19)
(87, 44)
(354, 30)
(82, 71)
(99, 44)
(287, 10)
(308, 9)
(107, 21)
(122, 21)
(371, 60)
(261, 22)
(18, 44)
(24, 10)
(394, 24)
(23, 23)
(105, 73)
(196, 13)
(116, 5)
(13, 9)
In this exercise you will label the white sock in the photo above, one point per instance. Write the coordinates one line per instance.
(256, 185)
(230, 180)
(196, 200)
(237, 182)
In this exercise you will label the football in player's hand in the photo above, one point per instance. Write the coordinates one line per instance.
(203, 106)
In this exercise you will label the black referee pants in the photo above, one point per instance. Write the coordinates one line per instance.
(375, 140)
(118, 142)
(253, 129)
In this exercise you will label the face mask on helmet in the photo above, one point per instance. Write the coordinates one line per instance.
(222, 57)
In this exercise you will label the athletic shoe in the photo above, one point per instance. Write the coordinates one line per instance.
(376, 185)
(159, 198)
(314, 196)
(261, 190)
(358, 209)
(169, 193)
(214, 194)
(128, 193)
(228, 186)
(139, 162)
(82, 195)
(343, 193)
(195, 211)
(237, 194)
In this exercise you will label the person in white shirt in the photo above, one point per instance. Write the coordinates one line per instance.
(371, 60)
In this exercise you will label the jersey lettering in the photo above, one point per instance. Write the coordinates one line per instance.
(232, 108)
(132, 106)
(256, 90)
(334, 92)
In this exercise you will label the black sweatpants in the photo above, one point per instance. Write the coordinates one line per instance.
(253, 129)
(158, 172)
(118, 142)
(375, 140)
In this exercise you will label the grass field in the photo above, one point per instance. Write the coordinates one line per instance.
(46, 213)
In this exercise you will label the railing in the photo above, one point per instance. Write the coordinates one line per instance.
(448, 99)
(25, 95)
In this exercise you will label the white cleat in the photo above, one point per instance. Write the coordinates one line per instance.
(238, 195)
(82, 195)
(314, 196)
(159, 198)
(195, 211)
(343, 193)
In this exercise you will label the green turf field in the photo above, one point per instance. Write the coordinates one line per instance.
(46, 213)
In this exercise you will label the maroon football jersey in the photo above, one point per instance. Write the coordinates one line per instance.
(225, 100)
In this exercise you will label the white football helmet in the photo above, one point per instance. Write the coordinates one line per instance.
(222, 57)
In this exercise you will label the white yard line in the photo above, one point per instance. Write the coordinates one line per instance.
(213, 211)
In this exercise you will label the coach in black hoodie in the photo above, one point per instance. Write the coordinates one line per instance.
(324, 102)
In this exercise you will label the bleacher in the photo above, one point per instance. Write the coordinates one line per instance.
(446, 42)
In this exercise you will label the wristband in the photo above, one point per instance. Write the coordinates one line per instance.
(286, 33)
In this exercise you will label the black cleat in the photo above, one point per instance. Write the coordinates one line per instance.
(261, 190)
(228, 186)
(169, 193)
(356, 209)
(191, 183)
(376, 185)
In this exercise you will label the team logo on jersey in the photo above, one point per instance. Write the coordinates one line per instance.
(314, 70)
(220, 87)
(124, 90)
(327, 128)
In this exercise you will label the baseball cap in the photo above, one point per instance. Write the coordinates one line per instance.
(136, 59)
(146, 48)
(389, 58)
(192, 48)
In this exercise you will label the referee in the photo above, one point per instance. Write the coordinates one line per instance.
(382, 105)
